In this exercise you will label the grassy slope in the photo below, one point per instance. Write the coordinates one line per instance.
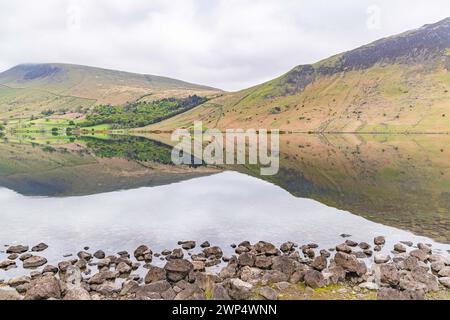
(72, 86)
(389, 98)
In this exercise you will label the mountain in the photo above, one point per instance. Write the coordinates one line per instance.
(396, 84)
(31, 88)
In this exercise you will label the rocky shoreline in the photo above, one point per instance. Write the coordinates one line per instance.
(256, 271)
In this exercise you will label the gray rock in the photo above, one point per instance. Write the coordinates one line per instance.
(199, 266)
(393, 294)
(17, 249)
(445, 272)
(284, 264)
(25, 256)
(445, 282)
(425, 248)
(34, 262)
(381, 258)
(205, 244)
(419, 254)
(344, 248)
(123, 268)
(39, 247)
(268, 293)
(13, 256)
(143, 253)
(238, 289)
(155, 274)
(7, 264)
(176, 254)
(15, 282)
(178, 269)
(246, 259)
(263, 262)
(364, 246)
(213, 252)
(379, 241)
(188, 245)
(191, 292)
(77, 294)
(389, 274)
(266, 248)
(315, 279)
(84, 255)
(351, 243)
(400, 247)
(287, 247)
(320, 263)
(220, 293)
(44, 288)
(350, 263)
(129, 287)
(99, 254)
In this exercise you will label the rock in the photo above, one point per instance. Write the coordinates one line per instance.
(25, 256)
(7, 264)
(369, 286)
(315, 279)
(82, 264)
(50, 269)
(155, 274)
(241, 250)
(246, 259)
(123, 254)
(407, 243)
(107, 289)
(238, 289)
(310, 253)
(34, 262)
(77, 294)
(44, 288)
(419, 254)
(199, 266)
(299, 274)
(84, 255)
(268, 293)
(334, 275)
(191, 292)
(213, 252)
(263, 262)
(344, 235)
(437, 266)
(99, 254)
(166, 253)
(445, 272)
(178, 269)
(359, 255)
(379, 241)
(368, 252)
(364, 246)
(381, 258)
(205, 244)
(9, 295)
(123, 268)
(424, 248)
(129, 287)
(97, 278)
(325, 253)
(251, 275)
(287, 247)
(393, 294)
(266, 248)
(15, 282)
(143, 253)
(377, 248)
(206, 281)
(283, 264)
(212, 262)
(177, 254)
(220, 293)
(228, 272)
(445, 282)
(428, 280)
(410, 263)
(350, 263)
(39, 247)
(188, 245)
(17, 249)
(320, 263)
(72, 278)
(351, 243)
(344, 248)
(156, 287)
(389, 274)
(13, 256)
(62, 266)
(274, 276)
(400, 247)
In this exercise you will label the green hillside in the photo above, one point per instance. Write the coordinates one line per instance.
(396, 84)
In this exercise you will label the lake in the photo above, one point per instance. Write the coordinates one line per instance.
(116, 193)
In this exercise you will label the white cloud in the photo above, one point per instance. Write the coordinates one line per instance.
(229, 44)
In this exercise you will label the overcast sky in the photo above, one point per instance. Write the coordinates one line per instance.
(230, 44)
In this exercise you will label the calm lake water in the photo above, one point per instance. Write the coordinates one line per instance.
(116, 194)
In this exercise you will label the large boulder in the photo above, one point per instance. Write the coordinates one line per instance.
(44, 288)
(315, 279)
(284, 264)
(266, 248)
(17, 249)
(350, 263)
(212, 252)
(143, 253)
(320, 263)
(246, 259)
(155, 274)
(389, 274)
(34, 262)
(238, 289)
(178, 269)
